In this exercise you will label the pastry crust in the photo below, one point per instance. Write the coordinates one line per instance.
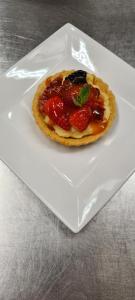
(72, 141)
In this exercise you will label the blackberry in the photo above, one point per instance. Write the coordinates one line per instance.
(77, 77)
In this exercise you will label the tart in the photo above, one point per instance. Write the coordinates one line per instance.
(74, 108)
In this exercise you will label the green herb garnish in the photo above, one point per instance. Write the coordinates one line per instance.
(82, 98)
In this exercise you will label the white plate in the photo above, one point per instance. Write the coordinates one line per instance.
(73, 183)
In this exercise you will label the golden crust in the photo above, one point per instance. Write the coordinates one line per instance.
(72, 141)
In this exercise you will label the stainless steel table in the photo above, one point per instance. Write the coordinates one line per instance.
(40, 259)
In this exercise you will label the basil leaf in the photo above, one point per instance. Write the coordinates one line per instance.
(82, 98)
(77, 101)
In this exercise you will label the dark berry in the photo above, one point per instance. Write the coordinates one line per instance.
(77, 77)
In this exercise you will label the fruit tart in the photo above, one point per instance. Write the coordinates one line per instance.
(74, 108)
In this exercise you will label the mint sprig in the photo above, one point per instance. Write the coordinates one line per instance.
(82, 98)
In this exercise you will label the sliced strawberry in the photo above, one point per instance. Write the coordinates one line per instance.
(53, 89)
(54, 108)
(80, 118)
(63, 122)
(69, 91)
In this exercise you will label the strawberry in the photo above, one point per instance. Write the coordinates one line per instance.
(69, 91)
(53, 89)
(80, 118)
(63, 122)
(54, 108)
(94, 96)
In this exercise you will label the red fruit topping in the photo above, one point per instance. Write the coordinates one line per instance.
(52, 89)
(94, 96)
(69, 91)
(97, 107)
(54, 108)
(94, 93)
(57, 102)
(41, 106)
(80, 118)
(98, 113)
(63, 122)
(100, 101)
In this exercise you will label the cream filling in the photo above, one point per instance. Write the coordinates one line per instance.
(89, 130)
(73, 132)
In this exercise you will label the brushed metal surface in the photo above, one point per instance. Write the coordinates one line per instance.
(40, 259)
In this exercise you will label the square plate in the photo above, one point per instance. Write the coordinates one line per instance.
(73, 183)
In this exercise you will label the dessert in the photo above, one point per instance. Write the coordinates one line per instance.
(74, 107)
